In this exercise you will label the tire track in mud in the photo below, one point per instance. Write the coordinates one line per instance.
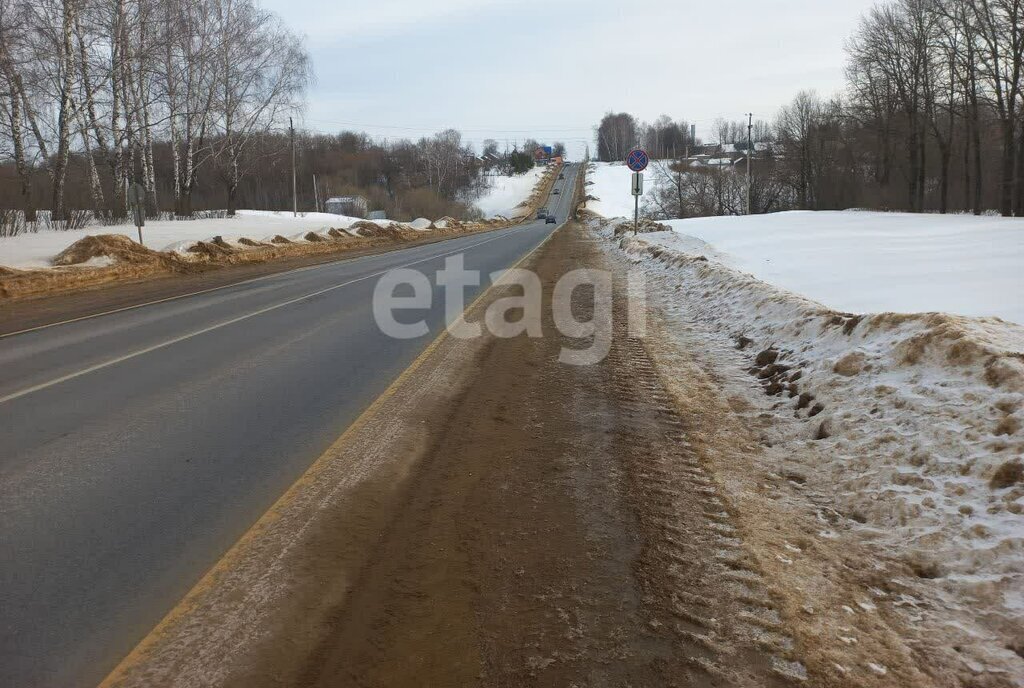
(695, 577)
(698, 580)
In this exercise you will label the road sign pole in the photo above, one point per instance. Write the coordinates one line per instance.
(137, 196)
(637, 189)
(637, 162)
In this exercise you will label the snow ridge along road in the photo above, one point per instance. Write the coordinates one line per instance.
(138, 446)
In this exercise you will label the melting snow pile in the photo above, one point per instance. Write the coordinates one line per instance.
(913, 422)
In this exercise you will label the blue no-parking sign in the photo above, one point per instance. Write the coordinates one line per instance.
(637, 160)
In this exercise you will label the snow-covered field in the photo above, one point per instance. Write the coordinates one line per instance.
(611, 188)
(507, 192)
(889, 352)
(869, 262)
(856, 261)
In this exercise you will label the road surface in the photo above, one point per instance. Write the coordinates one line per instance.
(138, 446)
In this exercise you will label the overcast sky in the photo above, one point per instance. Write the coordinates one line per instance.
(510, 69)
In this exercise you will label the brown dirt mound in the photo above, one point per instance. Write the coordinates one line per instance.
(373, 230)
(340, 233)
(211, 249)
(278, 239)
(245, 241)
(117, 246)
(643, 227)
(7, 272)
(313, 237)
(1007, 475)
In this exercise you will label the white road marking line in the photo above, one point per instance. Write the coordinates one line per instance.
(158, 301)
(197, 293)
(120, 359)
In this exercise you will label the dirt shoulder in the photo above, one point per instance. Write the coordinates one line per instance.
(497, 518)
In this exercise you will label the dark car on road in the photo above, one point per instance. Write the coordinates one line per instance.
(551, 220)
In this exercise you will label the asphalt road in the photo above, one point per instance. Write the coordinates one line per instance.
(137, 447)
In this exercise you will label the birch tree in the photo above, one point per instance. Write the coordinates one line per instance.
(262, 69)
(12, 100)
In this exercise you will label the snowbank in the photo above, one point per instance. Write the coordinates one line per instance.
(909, 427)
(505, 193)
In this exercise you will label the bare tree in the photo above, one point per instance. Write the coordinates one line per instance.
(1000, 28)
(12, 28)
(261, 70)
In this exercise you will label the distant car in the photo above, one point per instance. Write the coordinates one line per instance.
(551, 220)
(556, 192)
(542, 214)
(561, 176)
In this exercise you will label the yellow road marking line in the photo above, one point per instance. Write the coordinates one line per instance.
(269, 516)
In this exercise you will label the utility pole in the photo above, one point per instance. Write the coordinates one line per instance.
(295, 198)
(316, 196)
(750, 153)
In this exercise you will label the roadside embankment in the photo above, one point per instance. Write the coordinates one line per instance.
(885, 480)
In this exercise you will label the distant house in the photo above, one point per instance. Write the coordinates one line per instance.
(377, 215)
(708, 149)
(353, 206)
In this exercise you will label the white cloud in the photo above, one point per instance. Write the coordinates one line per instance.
(521, 64)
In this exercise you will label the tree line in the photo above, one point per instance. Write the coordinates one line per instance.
(90, 90)
(433, 176)
(194, 99)
(932, 119)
